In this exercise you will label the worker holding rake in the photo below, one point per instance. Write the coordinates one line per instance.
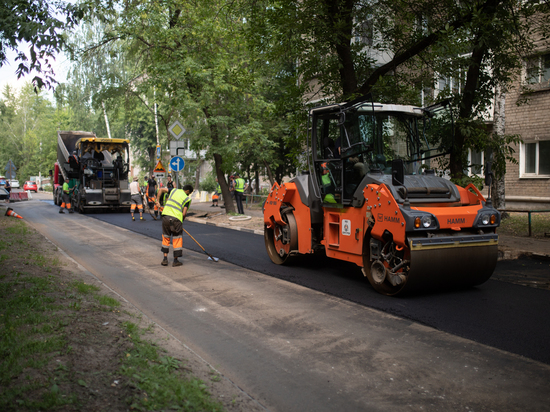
(173, 216)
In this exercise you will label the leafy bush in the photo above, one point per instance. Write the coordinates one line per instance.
(208, 184)
(464, 181)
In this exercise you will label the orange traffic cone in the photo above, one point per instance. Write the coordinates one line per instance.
(10, 212)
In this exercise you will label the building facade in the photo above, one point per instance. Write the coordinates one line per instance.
(528, 181)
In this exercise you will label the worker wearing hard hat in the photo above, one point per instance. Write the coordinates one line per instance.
(173, 215)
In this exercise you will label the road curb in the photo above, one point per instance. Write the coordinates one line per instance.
(227, 226)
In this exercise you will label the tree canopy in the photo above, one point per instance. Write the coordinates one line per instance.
(40, 24)
(239, 75)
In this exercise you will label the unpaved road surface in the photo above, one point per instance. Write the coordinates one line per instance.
(292, 348)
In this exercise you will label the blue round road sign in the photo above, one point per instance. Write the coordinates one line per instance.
(177, 163)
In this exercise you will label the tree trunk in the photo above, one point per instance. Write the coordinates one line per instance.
(224, 186)
(340, 17)
(498, 188)
(466, 107)
(218, 161)
(256, 181)
(269, 174)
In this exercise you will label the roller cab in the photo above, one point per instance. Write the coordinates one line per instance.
(373, 197)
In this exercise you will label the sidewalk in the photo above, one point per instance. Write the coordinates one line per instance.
(510, 247)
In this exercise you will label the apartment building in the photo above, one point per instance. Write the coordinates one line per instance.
(528, 181)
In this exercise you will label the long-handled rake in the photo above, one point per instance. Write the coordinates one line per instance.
(210, 257)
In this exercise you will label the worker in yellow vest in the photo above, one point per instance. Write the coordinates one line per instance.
(239, 193)
(328, 187)
(66, 198)
(173, 215)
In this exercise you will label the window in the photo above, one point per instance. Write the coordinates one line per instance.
(475, 160)
(537, 69)
(364, 33)
(535, 159)
(457, 79)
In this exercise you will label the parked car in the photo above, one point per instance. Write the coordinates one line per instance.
(14, 183)
(30, 186)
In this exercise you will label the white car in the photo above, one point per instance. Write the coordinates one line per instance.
(14, 184)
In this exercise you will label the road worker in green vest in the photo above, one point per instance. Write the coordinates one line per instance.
(216, 195)
(240, 187)
(173, 215)
(66, 198)
(327, 183)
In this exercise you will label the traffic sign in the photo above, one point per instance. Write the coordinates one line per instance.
(159, 168)
(158, 152)
(177, 163)
(10, 170)
(177, 148)
(176, 130)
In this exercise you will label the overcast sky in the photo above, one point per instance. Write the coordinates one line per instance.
(8, 75)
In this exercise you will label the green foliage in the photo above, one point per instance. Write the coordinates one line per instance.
(474, 45)
(28, 136)
(208, 183)
(40, 23)
(465, 180)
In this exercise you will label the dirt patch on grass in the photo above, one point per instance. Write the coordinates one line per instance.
(77, 334)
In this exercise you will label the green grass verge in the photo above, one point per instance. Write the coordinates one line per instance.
(159, 379)
(37, 310)
(517, 224)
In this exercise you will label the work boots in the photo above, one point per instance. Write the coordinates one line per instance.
(176, 262)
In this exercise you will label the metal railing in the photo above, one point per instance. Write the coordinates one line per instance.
(254, 199)
(529, 212)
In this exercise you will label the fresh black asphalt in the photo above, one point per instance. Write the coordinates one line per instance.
(503, 315)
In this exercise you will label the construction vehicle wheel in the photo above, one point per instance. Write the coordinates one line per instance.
(428, 270)
(80, 204)
(379, 275)
(280, 240)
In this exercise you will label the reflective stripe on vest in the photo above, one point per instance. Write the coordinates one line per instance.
(175, 204)
(239, 185)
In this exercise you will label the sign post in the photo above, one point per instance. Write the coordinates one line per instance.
(10, 170)
(177, 164)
